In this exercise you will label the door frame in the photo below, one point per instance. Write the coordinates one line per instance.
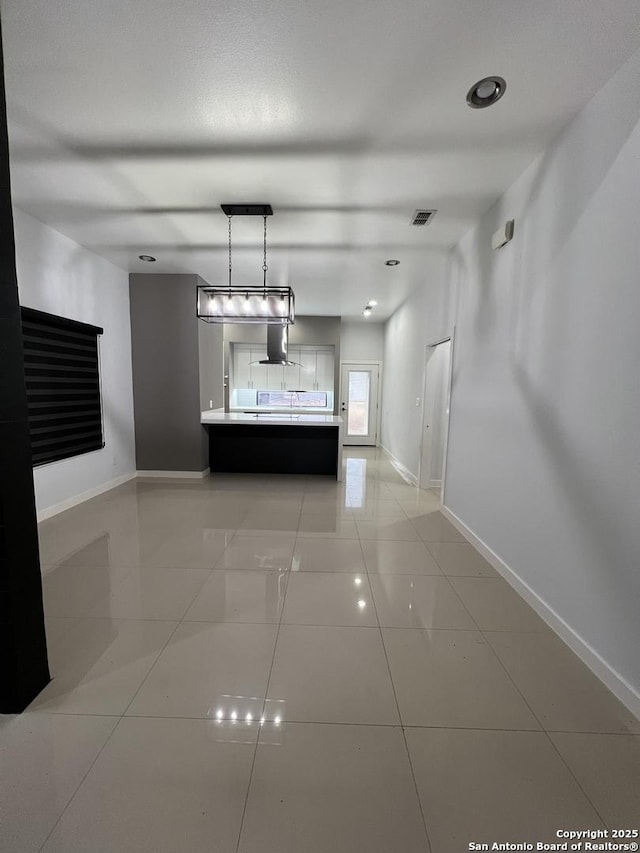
(429, 346)
(365, 362)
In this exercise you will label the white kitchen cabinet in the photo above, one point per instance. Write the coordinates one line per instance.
(291, 380)
(258, 372)
(275, 377)
(307, 375)
(324, 370)
(241, 368)
(312, 369)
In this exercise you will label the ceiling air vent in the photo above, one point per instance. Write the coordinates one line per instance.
(423, 217)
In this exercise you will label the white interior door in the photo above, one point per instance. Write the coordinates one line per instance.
(359, 403)
(436, 414)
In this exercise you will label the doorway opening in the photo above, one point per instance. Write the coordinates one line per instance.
(435, 425)
(359, 390)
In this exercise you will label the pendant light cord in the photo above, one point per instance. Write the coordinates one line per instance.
(229, 218)
(264, 259)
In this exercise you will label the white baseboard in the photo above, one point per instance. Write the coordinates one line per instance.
(54, 509)
(175, 475)
(404, 472)
(625, 692)
(435, 484)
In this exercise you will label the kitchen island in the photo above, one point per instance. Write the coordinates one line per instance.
(274, 443)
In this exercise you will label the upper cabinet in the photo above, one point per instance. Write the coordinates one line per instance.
(291, 373)
(275, 378)
(324, 370)
(247, 370)
(241, 368)
(258, 373)
(307, 370)
(313, 369)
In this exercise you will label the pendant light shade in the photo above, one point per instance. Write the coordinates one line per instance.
(270, 305)
(250, 303)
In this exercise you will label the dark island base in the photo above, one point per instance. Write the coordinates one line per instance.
(273, 449)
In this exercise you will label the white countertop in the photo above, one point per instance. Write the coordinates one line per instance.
(216, 416)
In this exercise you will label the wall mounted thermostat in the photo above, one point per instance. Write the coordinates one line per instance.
(503, 235)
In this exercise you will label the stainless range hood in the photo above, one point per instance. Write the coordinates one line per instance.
(277, 346)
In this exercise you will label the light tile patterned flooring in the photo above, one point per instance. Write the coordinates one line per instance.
(295, 665)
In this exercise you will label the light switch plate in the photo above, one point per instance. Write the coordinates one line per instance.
(417, 402)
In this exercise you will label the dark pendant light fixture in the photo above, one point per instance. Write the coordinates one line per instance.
(246, 303)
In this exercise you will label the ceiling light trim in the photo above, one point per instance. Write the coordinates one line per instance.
(495, 86)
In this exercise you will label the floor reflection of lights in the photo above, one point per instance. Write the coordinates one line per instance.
(235, 719)
(355, 482)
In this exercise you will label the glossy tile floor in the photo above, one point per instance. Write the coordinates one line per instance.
(295, 665)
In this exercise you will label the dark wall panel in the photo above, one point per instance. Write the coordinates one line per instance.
(166, 378)
(24, 668)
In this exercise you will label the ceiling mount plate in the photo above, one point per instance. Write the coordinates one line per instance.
(247, 209)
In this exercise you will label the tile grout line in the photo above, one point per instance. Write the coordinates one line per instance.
(180, 622)
(520, 693)
(533, 713)
(482, 633)
(153, 665)
(573, 775)
(297, 538)
(264, 704)
(395, 698)
(544, 730)
(119, 717)
(246, 796)
(122, 715)
(342, 723)
(81, 782)
(535, 716)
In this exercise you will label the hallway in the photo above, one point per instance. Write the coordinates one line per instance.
(295, 665)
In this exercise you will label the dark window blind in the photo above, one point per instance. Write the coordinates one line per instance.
(63, 386)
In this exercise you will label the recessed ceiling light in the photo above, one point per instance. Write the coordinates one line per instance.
(366, 312)
(371, 303)
(486, 92)
(392, 262)
(149, 259)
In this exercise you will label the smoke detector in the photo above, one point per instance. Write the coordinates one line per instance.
(423, 217)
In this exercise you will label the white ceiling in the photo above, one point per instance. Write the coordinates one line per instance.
(131, 122)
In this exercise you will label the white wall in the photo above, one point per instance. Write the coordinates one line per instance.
(361, 341)
(59, 276)
(544, 445)
(544, 453)
(422, 319)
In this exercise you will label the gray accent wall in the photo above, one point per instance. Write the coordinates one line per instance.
(166, 376)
